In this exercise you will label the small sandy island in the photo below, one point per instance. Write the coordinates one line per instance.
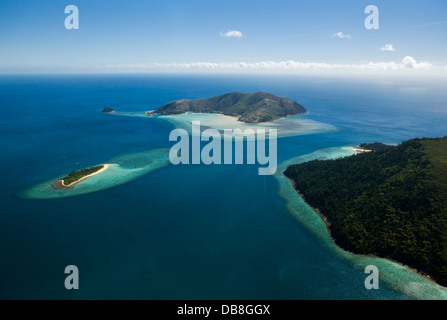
(59, 184)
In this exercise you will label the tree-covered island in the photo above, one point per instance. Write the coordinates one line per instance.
(250, 108)
(76, 176)
(391, 202)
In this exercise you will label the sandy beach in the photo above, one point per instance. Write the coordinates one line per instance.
(361, 150)
(59, 184)
(232, 117)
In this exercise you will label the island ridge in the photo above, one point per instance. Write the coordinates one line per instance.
(250, 108)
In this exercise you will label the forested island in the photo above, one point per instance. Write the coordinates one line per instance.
(77, 176)
(250, 108)
(391, 202)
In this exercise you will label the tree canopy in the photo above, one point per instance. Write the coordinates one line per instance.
(391, 202)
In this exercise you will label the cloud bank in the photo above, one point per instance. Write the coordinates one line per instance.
(407, 63)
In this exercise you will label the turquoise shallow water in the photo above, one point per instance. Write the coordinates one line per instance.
(187, 231)
(285, 127)
(122, 169)
(396, 275)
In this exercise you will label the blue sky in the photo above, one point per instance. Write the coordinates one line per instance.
(173, 35)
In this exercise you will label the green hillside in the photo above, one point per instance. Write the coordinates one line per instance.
(391, 202)
(250, 108)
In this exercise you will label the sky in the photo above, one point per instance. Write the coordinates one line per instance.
(284, 36)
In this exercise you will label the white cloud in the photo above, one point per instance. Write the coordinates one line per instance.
(341, 35)
(407, 63)
(388, 47)
(411, 62)
(231, 33)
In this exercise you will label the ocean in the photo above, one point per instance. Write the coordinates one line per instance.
(152, 230)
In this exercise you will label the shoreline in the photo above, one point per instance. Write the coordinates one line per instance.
(59, 184)
(357, 149)
(148, 113)
(328, 225)
(236, 118)
(316, 210)
(232, 117)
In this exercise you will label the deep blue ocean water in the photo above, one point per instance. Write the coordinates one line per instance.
(180, 232)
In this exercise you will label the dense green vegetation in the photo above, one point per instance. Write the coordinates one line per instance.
(76, 175)
(250, 108)
(376, 146)
(391, 202)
